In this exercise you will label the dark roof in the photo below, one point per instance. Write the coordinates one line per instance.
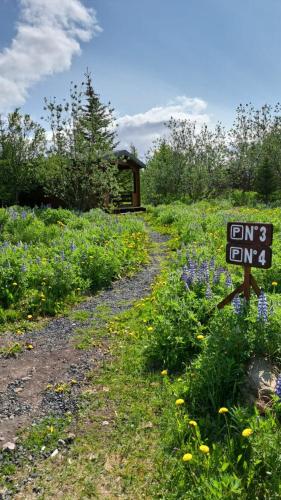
(123, 153)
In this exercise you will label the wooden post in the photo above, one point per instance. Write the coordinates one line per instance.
(255, 286)
(245, 288)
(247, 283)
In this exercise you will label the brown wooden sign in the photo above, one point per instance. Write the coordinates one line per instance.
(249, 255)
(249, 246)
(248, 233)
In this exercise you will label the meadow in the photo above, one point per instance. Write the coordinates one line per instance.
(181, 423)
(217, 443)
(51, 258)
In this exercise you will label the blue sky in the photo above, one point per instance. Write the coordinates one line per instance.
(151, 58)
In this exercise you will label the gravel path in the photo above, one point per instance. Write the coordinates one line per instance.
(24, 395)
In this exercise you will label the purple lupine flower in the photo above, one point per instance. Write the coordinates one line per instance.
(184, 274)
(209, 292)
(200, 275)
(62, 255)
(186, 277)
(23, 268)
(237, 304)
(38, 260)
(228, 280)
(23, 214)
(192, 269)
(207, 270)
(262, 307)
(278, 387)
(73, 247)
(217, 274)
(25, 246)
(212, 264)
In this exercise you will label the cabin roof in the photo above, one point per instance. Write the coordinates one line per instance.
(123, 153)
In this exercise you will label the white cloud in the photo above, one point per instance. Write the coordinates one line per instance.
(48, 35)
(143, 128)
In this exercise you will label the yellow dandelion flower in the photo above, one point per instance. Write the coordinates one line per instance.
(193, 423)
(150, 329)
(179, 402)
(15, 284)
(187, 457)
(274, 283)
(29, 347)
(247, 432)
(29, 316)
(200, 337)
(164, 372)
(223, 410)
(204, 449)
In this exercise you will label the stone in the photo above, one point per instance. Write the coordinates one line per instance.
(9, 446)
(55, 453)
(69, 438)
(261, 378)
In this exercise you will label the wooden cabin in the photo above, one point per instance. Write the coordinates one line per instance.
(129, 177)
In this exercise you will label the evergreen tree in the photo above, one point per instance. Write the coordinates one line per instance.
(82, 157)
(266, 181)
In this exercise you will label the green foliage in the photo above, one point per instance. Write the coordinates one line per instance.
(193, 163)
(80, 169)
(50, 257)
(206, 352)
(11, 351)
(243, 198)
(22, 145)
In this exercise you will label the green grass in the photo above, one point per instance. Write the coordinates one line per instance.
(118, 448)
(87, 338)
(11, 351)
(79, 315)
(131, 433)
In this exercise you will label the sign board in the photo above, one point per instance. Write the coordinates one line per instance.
(249, 255)
(247, 233)
(249, 246)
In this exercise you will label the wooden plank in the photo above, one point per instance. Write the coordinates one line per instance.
(249, 255)
(255, 286)
(231, 296)
(247, 282)
(249, 233)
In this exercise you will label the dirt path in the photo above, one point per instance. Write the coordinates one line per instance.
(25, 393)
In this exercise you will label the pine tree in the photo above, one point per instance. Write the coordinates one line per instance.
(265, 182)
(84, 138)
(97, 119)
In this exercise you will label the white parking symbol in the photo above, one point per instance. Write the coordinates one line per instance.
(237, 232)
